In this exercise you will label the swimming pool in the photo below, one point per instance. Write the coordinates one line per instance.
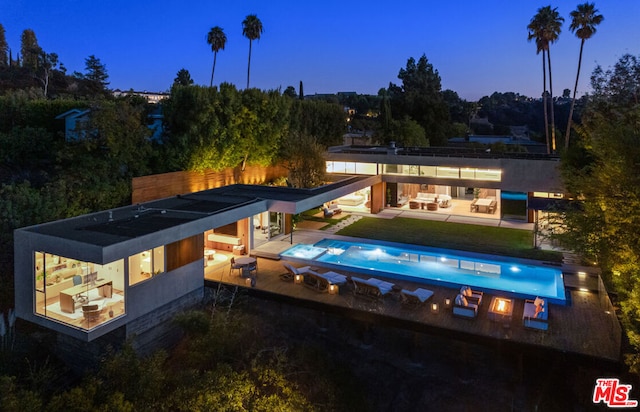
(417, 264)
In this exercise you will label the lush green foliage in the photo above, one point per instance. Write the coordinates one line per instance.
(602, 173)
(230, 360)
(420, 98)
(304, 158)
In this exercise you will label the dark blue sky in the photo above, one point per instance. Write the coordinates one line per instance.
(478, 47)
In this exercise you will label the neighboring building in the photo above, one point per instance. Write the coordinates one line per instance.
(148, 260)
(75, 122)
(151, 97)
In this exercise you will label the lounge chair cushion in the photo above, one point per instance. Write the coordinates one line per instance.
(418, 295)
(461, 300)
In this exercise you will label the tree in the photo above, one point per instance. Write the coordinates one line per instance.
(420, 98)
(95, 76)
(584, 20)
(46, 63)
(4, 48)
(303, 157)
(183, 78)
(545, 28)
(290, 91)
(600, 172)
(217, 40)
(301, 94)
(251, 29)
(29, 49)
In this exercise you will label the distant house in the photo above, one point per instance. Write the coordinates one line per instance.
(152, 97)
(75, 121)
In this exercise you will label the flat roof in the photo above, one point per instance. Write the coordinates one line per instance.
(113, 226)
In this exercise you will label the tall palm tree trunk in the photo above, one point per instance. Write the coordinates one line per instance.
(213, 69)
(573, 101)
(553, 120)
(249, 65)
(544, 100)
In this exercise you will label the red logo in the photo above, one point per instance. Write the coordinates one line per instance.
(613, 393)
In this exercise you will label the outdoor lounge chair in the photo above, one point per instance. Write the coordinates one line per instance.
(535, 314)
(473, 296)
(371, 288)
(320, 281)
(464, 309)
(415, 297)
(293, 271)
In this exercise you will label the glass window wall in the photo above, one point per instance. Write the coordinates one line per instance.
(81, 294)
(443, 172)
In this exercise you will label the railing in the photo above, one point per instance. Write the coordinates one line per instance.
(445, 152)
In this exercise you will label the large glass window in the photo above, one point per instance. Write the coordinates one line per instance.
(352, 168)
(144, 265)
(78, 293)
(443, 172)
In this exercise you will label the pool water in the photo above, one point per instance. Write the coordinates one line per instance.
(428, 265)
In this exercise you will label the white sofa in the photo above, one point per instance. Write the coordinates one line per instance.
(351, 200)
(427, 197)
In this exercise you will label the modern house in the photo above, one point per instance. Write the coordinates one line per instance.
(146, 261)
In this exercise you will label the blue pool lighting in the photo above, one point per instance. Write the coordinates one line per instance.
(428, 265)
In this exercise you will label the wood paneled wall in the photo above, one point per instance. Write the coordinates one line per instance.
(184, 251)
(146, 188)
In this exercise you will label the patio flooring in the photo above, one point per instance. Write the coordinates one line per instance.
(586, 327)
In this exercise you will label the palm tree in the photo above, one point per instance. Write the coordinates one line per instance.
(251, 29)
(584, 20)
(541, 46)
(545, 27)
(217, 39)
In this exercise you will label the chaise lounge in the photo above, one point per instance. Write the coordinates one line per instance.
(320, 282)
(415, 297)
(535, 315)
(371, 288)
(293, 271)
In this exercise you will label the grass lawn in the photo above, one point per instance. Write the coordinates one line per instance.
(458, 236)
(330, 221)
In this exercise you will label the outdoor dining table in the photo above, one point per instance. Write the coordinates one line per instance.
(245, 262)
(483, 205)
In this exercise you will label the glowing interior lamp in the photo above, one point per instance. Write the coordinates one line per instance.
(443, 259)
(582, 274)
(515, 269)
(584, 290)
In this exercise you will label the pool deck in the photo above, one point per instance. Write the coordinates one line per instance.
(586, 327)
